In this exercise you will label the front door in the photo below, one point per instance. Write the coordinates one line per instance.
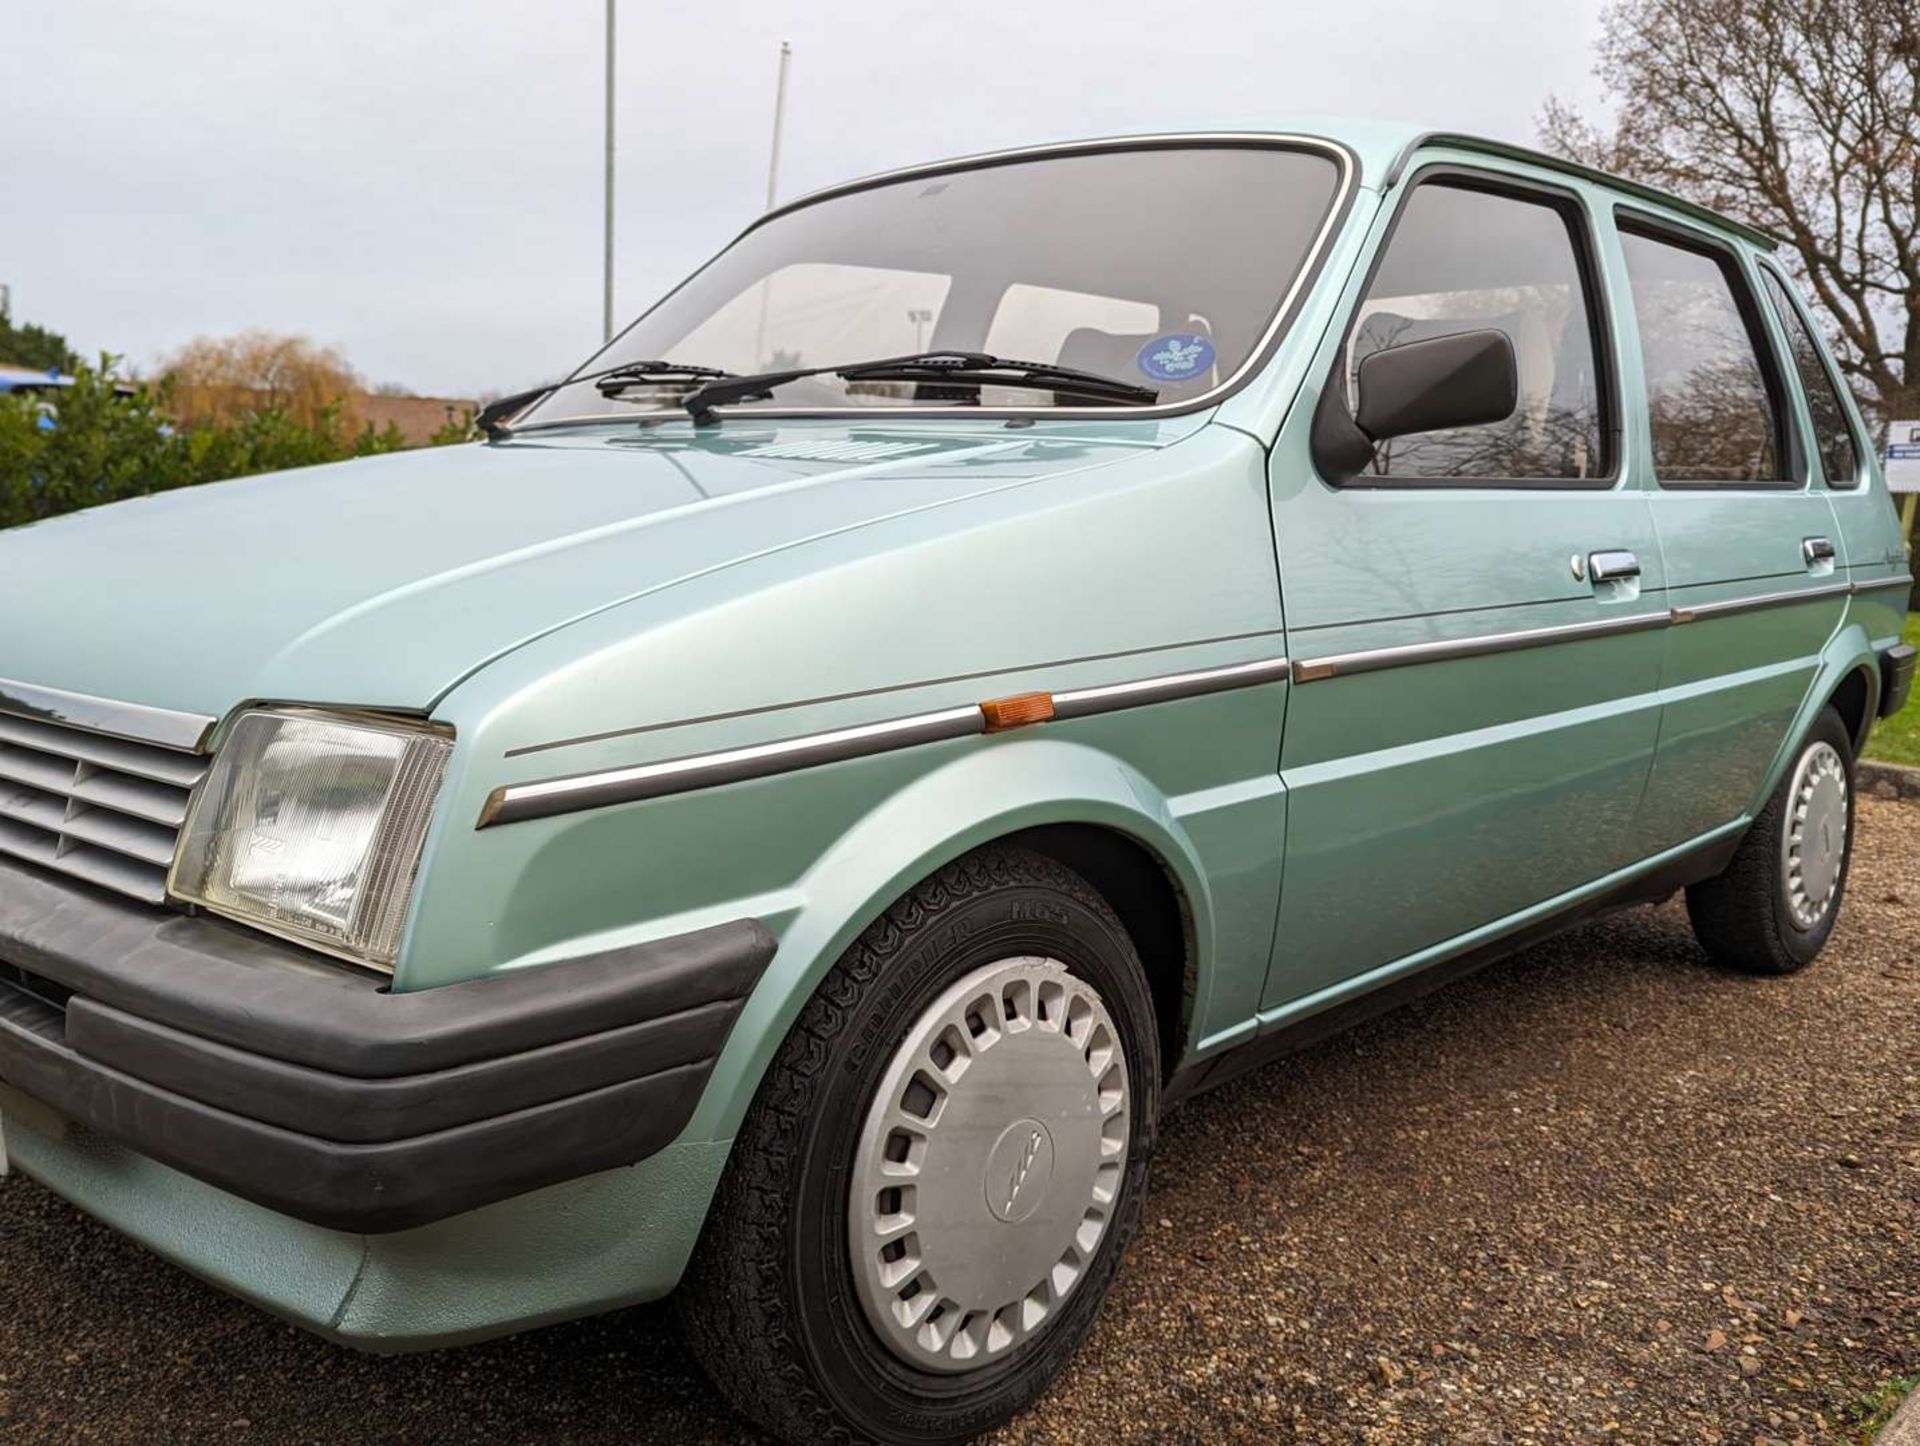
(1474, 621)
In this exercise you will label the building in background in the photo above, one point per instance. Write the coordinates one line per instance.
(418, 418)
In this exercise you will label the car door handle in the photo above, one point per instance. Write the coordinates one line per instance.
(1613, 566)
(1817, 550)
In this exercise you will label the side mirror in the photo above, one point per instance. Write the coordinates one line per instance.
(1467, 379)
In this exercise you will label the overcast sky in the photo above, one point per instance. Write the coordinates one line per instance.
(418, 181)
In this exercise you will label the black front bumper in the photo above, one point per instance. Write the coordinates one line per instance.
(315, 1092)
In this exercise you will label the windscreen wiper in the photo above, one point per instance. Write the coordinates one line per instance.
(493, 418)
(962, 368)
(616, 380)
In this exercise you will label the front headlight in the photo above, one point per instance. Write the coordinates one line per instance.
(310, 826)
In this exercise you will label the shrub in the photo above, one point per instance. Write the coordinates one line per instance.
(91, 443)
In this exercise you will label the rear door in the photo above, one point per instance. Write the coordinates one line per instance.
(1752, 547)
(1475, 710)
(1870, 536)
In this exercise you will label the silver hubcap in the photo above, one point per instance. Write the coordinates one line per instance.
(1815, 840)
(989, 1165)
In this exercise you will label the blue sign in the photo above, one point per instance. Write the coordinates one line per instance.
(1179, 357)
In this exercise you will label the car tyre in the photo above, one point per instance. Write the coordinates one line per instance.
(1773, 909)
(795, 1313)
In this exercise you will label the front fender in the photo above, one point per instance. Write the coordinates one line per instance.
(910, 834)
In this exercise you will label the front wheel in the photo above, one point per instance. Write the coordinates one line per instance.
(929, 1199)
(1774, 908)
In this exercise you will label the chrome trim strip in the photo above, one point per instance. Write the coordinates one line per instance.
(1336, 151)
(1085, 702)
(1885, 584)
(1760, 602)
(786, 704)
(513, 803)
(163, 727)
(1374, 660)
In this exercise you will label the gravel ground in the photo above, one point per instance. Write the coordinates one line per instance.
(1596, 1192)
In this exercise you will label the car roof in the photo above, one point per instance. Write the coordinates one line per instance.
(1506, 150)
(1384, 150)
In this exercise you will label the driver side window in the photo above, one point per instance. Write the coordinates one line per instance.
(1464, 258)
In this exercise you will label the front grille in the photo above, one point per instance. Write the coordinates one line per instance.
(17, 981)
(99, 808)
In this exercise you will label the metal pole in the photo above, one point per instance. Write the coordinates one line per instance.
(773, 185)
(779, 121)
(606, 295)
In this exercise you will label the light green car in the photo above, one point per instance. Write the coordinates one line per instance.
(1006, 645)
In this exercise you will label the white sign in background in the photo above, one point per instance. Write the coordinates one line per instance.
(1903, 457)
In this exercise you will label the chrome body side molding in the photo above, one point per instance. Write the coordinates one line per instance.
(571, 793)
(1886, 584)
(1760, 602)
(1373, 660)
(1084, 702)
(515, 802)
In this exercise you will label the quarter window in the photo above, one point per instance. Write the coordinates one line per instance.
(1466, 259)
(1837, 455)
(1712, 414)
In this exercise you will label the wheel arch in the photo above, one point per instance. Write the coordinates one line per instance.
(1139, 886)
(1083, 807)
(1848, 678)
(1856, 698)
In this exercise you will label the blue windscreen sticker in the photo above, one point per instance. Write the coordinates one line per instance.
(1179, 357)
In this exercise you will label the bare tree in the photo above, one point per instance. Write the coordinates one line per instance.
(215, 379)
(1800, 117)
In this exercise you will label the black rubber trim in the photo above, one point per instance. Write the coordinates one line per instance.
(366, 1188)
(228, 984)
(341, 1107)
(1896, 678)
(315, 1092)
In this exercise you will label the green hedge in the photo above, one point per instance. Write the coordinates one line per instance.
(103, 446)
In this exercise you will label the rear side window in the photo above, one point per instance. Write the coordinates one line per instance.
(1713, 413)
(1837, 454)
(1462, 258)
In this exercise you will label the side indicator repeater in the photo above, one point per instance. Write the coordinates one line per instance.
(1017, 711)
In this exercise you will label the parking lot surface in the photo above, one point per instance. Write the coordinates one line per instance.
(1598, 1191)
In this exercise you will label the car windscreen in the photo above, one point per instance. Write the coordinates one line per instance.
(1161, 266)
